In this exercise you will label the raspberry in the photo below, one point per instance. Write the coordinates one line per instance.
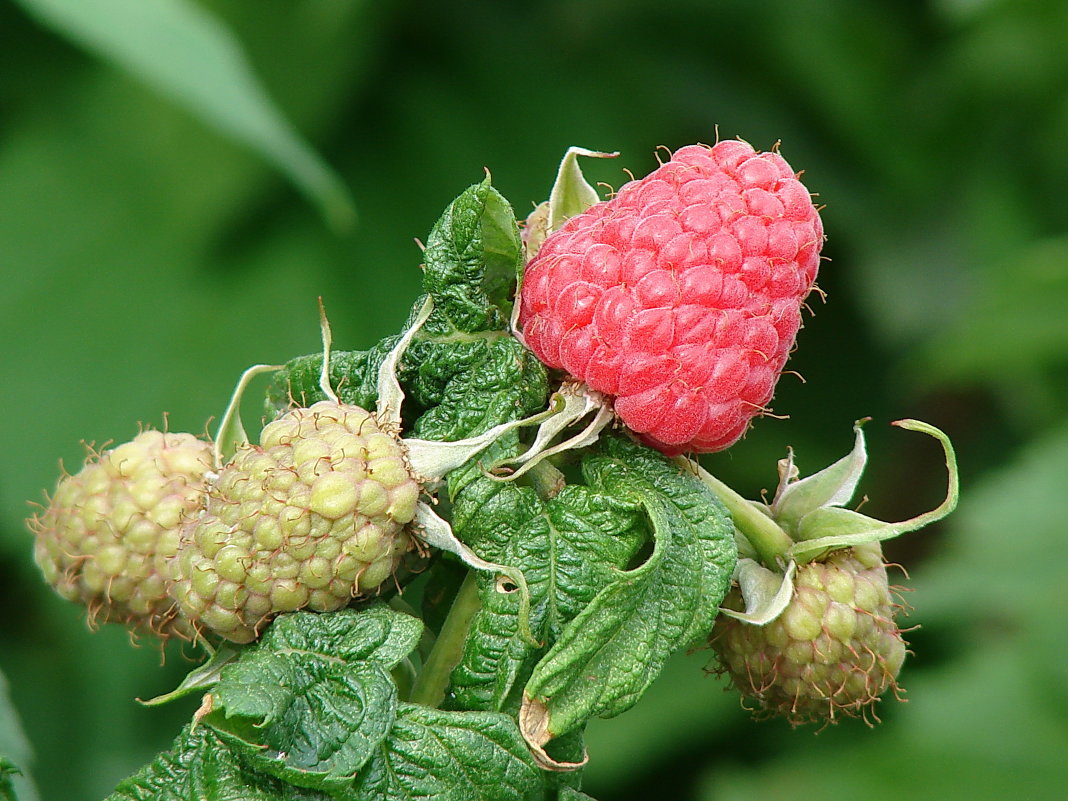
(834, 649)
(109, 531)
(680, 297)
(311, 517)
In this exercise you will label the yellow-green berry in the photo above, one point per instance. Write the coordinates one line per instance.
(310, 518)
(834, 650)
(106, 537)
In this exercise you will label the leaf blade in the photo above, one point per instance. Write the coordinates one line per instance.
(311, 701)
(180, 50)
(199, 767)
(451, 756)
(612, 650)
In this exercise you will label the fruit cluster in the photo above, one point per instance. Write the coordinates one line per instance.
(673, 307)
(311, 517)
(315, 514)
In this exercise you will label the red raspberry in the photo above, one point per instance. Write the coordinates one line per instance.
(680, 297)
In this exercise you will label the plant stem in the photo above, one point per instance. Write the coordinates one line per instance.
(433, 679)
(546, 480)
(764, 534)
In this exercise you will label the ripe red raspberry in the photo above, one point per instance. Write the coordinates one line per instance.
(680, 297)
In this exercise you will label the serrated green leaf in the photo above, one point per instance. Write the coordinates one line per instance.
(311, 701)
(614, 648)
(568, 547)
(472, 258)
(506, 383)
(200, 767)
(182, 51)
(450, 756)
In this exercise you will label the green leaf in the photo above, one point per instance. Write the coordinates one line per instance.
(569, 548)
(201, 678)
(353, 375)
(199, 767)
(571, 794)
(505, 384)
(7, 770)
(180, 50)
(450, 756)
(611, 652)
(472, 257)
(311, 701)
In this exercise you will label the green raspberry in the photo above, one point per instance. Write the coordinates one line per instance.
(311, 517)
(834, 650)
(108, 533)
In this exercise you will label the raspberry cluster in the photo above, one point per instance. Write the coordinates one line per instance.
(681, 296)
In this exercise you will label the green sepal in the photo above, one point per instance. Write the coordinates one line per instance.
(766, 592)
(572, 194)
(832, 486)
(829, 527)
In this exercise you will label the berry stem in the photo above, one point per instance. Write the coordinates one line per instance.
(764, 534)
(433, 679)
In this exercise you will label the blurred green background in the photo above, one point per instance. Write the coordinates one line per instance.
(165, 222)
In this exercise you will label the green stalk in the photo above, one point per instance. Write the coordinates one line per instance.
(546, 480)
(764, 534)
(433, 679)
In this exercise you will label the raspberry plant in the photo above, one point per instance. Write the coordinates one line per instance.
(443, 555)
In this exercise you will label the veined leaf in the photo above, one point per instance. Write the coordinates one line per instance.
(450, 756)
(568, 547)
(200, 767)
(180, 50)
(311, 701)
(616, 646)
(472, 257)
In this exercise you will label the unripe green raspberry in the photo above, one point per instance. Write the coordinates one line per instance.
(310, 518)
(107, 536)
(834, 650)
